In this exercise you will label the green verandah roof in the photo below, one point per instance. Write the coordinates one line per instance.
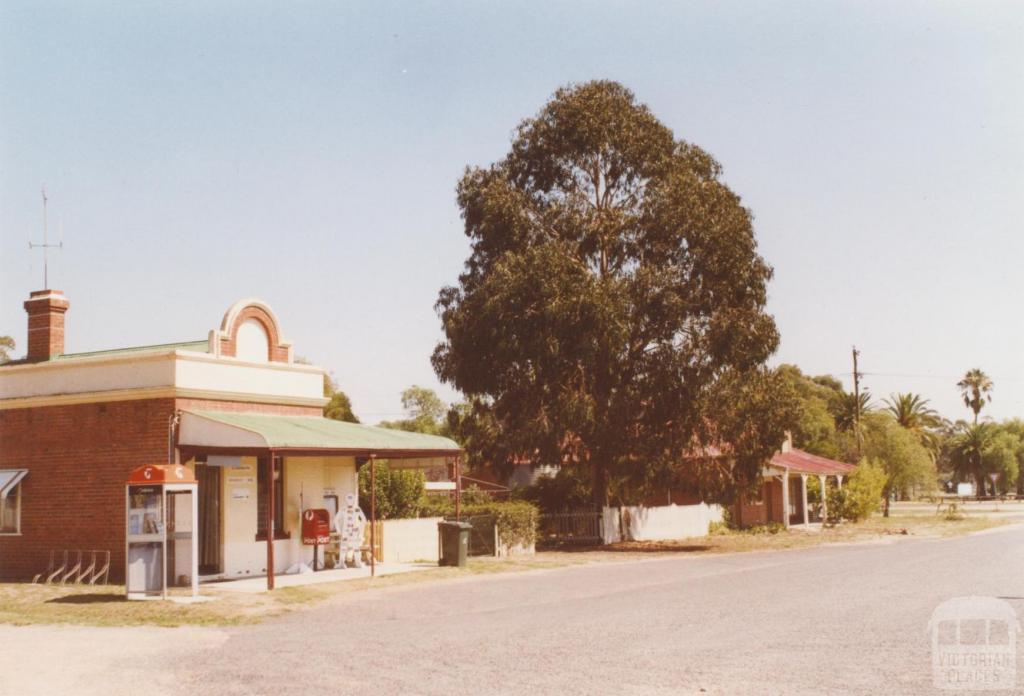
(317, 433)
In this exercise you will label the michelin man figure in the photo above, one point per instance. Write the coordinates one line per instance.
(350, 523)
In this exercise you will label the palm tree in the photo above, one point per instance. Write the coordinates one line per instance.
(6, 346)
(968, 449)
(847, 409)
(975, 388)
(913, 413)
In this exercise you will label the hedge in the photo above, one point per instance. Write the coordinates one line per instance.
(516, 520)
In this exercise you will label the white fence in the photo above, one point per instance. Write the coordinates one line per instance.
(410, 540)
(637, 523)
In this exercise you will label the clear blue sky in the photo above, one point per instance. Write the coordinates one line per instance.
(307, 154)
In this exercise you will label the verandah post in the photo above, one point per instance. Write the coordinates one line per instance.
(373, 515)
(270, 519)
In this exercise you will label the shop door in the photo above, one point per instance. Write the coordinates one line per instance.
(210, 514)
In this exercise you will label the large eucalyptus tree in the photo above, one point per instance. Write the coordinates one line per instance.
(612, 309)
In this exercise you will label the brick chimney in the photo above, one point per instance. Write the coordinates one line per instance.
(45, 324)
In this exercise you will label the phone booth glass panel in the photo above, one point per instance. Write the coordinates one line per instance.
(160, 540)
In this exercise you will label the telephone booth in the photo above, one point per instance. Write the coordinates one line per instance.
(161, 544)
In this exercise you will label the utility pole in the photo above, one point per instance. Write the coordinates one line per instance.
(856, 401)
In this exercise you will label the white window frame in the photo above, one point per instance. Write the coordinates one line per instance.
(14, 494)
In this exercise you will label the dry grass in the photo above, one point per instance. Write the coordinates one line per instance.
(22, 604)
(874, 529)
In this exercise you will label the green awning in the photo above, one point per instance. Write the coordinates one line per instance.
(221, 429)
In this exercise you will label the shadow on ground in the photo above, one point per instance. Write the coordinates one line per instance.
(631, 547)
(88, 599)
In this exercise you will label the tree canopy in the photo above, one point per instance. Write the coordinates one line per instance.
(6, 346)
(613, 300)
(976, 390)
(426, 412)
(339, 407)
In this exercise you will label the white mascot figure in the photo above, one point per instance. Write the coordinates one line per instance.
(350, 523)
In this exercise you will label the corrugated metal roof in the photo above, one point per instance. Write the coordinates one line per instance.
(807, 463)
(197, 346)
(316, 433)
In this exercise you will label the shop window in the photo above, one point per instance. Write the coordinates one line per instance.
(261, 499)
(10, 511)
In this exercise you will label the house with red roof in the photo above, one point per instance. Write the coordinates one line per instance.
(782, 496)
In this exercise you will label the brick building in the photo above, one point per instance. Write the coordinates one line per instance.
(235, 408)
(782, 496)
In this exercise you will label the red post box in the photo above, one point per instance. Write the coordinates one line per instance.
(316, 527)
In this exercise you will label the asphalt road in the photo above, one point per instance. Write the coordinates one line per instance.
(834, 620)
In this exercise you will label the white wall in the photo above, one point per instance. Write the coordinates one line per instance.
(410, 540)
(313, 477)
(182, 370)
(658, 523)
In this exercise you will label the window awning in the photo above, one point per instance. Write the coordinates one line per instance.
(228, 431)
(9, 478)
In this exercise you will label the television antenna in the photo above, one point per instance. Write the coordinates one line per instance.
(45, 246)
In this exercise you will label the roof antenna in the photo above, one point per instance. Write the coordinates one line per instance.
(46, 244)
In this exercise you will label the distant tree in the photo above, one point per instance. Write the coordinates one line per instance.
(613, 279)
(815, 427)
(847, 408)
(968, 452)
(975, 388)
(907, 464)
(999, 458)
(6, 346)
(339, 407)
(425, 410)
(911, 411)
(1015, 427)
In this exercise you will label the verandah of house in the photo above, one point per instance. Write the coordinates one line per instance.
(783, 493)
(312, 461)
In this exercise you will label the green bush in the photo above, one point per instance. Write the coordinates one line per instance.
(719, 529)
(861, 495)
(516, 520)
(770, 528)
(399, 491)
(566, 491)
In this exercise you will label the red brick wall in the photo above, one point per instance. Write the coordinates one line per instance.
(748, 512)
(78, 458)
(275, 351)
(46, 310)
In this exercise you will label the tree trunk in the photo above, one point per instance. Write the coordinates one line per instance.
(981, 484)
(600, 483)
(888, 494)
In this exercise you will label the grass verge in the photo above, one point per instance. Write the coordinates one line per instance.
(24, 604)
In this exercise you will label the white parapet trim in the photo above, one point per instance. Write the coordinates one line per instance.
(173, 373)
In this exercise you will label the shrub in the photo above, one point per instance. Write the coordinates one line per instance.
(566, 491)
(399, 491)
(862, 494)
(719, 529)
(516, 520)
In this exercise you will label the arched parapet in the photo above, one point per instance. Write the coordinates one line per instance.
(250, 331)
